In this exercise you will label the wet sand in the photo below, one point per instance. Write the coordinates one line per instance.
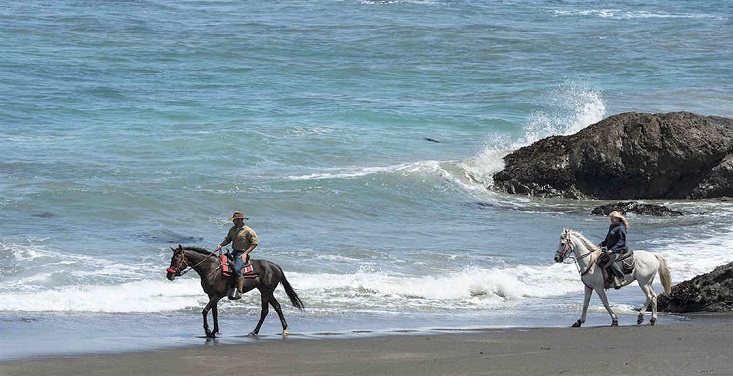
(701, 346)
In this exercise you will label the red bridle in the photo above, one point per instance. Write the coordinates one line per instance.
(179, 270)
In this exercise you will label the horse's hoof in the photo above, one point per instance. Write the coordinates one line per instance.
(284, 333)
(640, 320)
(614, 323)
(577, 324)
(252, 334)
(651, 322)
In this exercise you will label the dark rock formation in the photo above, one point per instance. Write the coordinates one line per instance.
(711, 292)
(677, 155)
(637, 208)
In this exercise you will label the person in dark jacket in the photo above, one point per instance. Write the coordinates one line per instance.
(615, 243)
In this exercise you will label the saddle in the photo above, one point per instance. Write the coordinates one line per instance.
(625, 260)
(227, 267)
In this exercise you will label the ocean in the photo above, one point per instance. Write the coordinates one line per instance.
(359, 137)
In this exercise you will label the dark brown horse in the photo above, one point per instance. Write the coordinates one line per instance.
(215, 285)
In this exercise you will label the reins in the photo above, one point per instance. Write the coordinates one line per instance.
(188, 267)
(567, 247)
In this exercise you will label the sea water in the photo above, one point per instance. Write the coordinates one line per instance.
(360, 138)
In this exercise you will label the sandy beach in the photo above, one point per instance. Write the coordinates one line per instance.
(700, 346)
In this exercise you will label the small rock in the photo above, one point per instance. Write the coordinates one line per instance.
(637, 208)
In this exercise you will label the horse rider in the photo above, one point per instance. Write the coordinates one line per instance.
(244, 241)
(615, 244)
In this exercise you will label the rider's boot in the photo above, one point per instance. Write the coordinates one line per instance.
(232, 293)
(236, 291)
(618, 282)
(240, 287)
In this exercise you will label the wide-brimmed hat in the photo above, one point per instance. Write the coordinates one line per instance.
(238, 215)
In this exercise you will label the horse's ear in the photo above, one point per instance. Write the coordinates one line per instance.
(173, 249)
(180, 247)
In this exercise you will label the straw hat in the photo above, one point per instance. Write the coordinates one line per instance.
(238, 215)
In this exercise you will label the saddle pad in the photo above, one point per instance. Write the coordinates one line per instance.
(627, 265)
(225, 265)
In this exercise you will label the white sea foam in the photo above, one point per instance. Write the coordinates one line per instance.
(391, 2)
(353, 172)
(621, 14)
(363, 290)
(37, 266)
(689, 258)
(570, 107)
(140, 296)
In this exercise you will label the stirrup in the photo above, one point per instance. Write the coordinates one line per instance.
(617, 283)
(234, 294)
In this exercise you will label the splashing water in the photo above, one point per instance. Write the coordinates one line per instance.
(571, 107)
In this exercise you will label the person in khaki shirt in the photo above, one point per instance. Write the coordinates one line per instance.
(244, 241)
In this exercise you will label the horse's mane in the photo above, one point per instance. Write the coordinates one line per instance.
(200, 250)
(588, 244)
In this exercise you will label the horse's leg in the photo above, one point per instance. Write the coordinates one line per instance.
(653, 320)
(276, 305)
(602, 294)
(215, 315)
(265, 295)
(651, 298)
(586, 302)
(212, 304)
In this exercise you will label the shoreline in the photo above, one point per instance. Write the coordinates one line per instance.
(56, 335)
(700, 345)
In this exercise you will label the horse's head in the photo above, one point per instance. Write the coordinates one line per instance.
(565, 248)
(178, 263)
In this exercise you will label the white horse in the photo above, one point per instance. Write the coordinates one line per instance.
(586, 256)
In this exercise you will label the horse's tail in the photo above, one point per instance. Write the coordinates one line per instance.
(294, 298)
(664, 274)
